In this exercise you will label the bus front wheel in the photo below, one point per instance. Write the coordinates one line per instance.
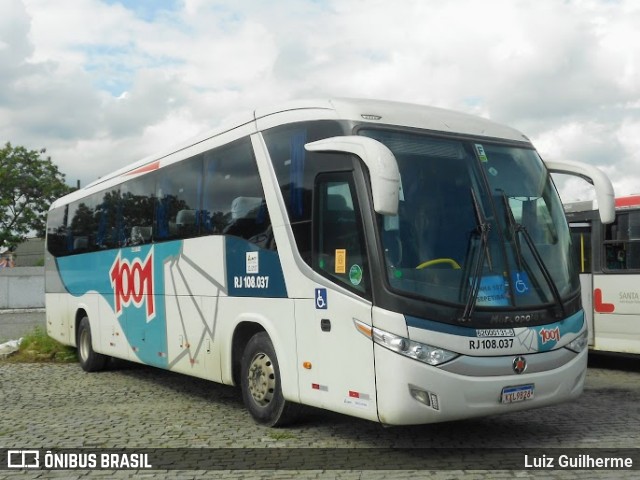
(261, 384)
(90, 361)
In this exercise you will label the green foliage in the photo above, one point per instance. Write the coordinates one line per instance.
(29, 183)
(37, 346)
(281, 435)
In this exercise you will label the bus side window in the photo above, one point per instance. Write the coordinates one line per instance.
(339, 251)
(138, 209)
(233, 197)
(57, 232)
(615, 256)
(633, 248)
(622, 242)
(296, 170)
(82, 225)
(178, 191)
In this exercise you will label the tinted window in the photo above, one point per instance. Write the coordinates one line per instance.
(179, 191)
(57, 232)
(339, 247)
(622, 242)
(83, 225)
(138, 205)
(476, 221)
(107, 218)
(218, 192)
(233, 198)
(296, 170)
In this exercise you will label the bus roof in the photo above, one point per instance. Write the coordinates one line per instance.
(398, 113)
(374, 111)
(621, 203)
(631, 201)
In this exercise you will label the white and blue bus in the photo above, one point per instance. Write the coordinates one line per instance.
(394, 262)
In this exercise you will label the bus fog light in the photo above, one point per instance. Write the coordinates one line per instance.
(429, 399)
(420, 395)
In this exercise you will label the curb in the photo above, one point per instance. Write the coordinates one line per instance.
(22, 310)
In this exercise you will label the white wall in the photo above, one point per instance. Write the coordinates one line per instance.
(22, 287)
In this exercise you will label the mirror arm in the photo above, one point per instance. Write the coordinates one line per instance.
(604, 189)
(382, 165)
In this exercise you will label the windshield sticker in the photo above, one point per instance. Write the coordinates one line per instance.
(493, 291)
(481, 154)
(520, 282)
(341, 261)
(493, 171)
(355, 274)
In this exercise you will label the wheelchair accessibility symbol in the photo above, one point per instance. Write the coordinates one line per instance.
(521, 283)
(321, 298)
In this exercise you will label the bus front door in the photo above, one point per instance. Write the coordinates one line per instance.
(336, 360)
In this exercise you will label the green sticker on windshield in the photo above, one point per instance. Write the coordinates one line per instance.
(481, 155)
(355, 274)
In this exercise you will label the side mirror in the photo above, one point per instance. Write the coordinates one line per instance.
(382, 165)
(596, 177)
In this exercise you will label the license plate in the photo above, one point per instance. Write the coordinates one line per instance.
(518, 393)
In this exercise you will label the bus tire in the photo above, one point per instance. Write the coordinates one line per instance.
(261, 384)
(90, 361)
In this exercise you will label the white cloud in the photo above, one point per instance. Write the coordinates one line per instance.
(101, 83)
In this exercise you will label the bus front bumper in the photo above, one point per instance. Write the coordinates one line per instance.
(411, 393)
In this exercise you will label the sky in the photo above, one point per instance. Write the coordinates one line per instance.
(103, 83)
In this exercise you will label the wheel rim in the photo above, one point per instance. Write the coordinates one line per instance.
(262, 379)
(85, 344)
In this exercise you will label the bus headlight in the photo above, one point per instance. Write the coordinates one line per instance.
(579, 343)
(415, 350)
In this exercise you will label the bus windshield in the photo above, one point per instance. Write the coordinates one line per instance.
(479, 224)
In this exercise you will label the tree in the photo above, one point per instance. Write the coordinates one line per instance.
(29, 183)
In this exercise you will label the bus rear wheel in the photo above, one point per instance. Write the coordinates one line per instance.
(90, 361)
(261, 384)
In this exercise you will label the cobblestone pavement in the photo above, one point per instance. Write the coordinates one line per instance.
(60, 406)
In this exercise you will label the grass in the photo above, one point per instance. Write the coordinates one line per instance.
(38, 347)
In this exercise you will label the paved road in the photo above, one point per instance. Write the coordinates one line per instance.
(59, 406)
(16, 323)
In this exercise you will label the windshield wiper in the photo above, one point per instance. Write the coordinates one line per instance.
(514, 227)
(517, 228)
(482, 229)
